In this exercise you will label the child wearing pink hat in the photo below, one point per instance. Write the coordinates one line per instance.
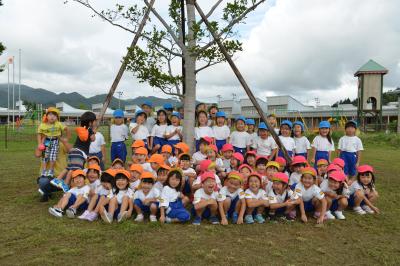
(336, 194)
(297, 166)
(256, 200)
(227, 152)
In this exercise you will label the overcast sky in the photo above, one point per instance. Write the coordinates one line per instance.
(304, 48)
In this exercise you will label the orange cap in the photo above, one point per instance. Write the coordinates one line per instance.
(156, 158)
(183, 147)
(77, 173)
(117, 160)
(110, 171)
(182, 154)
(141, 150)
(164, 166)
(94, 167)
(137, 168)
(124, 172)
(93, 158)
(138, 143)
(147, 175)
(166, 148)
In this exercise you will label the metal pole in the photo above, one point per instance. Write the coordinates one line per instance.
(398, 115)
(8, 93)
(183, 24)
(19, 87)
(13, 96)
(243, 82)
(123, 65)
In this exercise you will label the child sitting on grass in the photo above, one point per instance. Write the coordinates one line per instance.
(145, 199)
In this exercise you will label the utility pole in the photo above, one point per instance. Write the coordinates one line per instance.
(119, 98)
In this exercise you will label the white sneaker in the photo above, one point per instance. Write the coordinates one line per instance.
(106, 217)
(139, 218)
(84, 215)
(359, 210)
(339, 215)
(329, 215)
(168, 220)
(71, 212)
(122, 216)
(367, 209)
(153, 218)
(57, 212)
(40, 192)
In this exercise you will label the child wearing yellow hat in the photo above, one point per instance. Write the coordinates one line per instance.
(145, 199)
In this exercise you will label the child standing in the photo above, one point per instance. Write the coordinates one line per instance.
(202, 130)
(240, 139)
(251, 129)
(256, 200)
(48, 136)
(171, 205)
(286, 138)
(322, 145)
(336, 194)
(145, 199)
(118, 134)
(302, 143)
(221, 131)
(98, 148)
(157, 135)
(264, 144)
(138, 129)
(173, 132)
(147, 107)
(350, 147)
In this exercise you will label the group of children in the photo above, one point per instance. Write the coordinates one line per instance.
(233, 177)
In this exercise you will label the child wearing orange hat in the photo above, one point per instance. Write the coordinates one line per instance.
(313, 199)
(141, 157)
(322, 169)
(231, 201)
(145, 199)
(205, 200)
(169, 159)
(135, 145)
(117, 164)
(101, 196)
(256, 200)
(136, 171)
(93, 176)
(76, 199)
(172, 200)
(336, 194)
(120, 206)
(162, 173)
(363, 194)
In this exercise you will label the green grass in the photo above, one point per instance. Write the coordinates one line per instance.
(29, 235)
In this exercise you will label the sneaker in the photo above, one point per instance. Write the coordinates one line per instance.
(153, 218)
(214, 220)
(197, 220)
(291, 216)
(248, 219)
(359, 210)
(64, 186)
(367, 209)
(259, 219)
(57, 212)
(139, 218)
(122, 216)
(339, 215)
(84, 215)
(40, 192)
(71, 212)
(235, 217)
(92, 216)
(106, 217)
(168, 220)
(329, 215)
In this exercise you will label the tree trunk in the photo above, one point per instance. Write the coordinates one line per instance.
(190, 79)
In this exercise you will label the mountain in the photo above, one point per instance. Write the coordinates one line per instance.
(48, 98)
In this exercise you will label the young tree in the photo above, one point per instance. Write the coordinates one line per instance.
(163, 46)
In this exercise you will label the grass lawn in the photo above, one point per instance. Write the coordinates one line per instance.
(29, 235)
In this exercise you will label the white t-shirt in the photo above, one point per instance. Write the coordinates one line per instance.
(294, 178)
(101, 191)
(240, 139)
(302, 144)
(264, 147)
(280, 198)
(200, 132)
(141, 133)
(253, 137)
(168, 195)
(322, 144)
(288, 142)
(158, 130)
(198, 157)
(122, 193)
(310, 193)
(119, 133)
(200, 194)
(225, 193)
(350, 144)
(134, 185)
(187, 172)
(221, 133)
(171, 129)
(325, 188)
(150, 122)
(356, 186)
(260, 195)
(153, 193)
(197, 181)
(84, 191)
(159, 186)
(147, 167)
(93, 186)
(95, 146)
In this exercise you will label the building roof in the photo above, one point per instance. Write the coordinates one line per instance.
(371, 67)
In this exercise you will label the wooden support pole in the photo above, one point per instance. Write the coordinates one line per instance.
(123, 65)
(243, 82)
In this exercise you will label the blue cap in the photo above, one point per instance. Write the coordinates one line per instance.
(177, 114)
(168, 106)
(148, 103)
(250, 122)
(220, 114)
(240, 117)
(287, 122)
(262, 125)
(118, 113)
(300, 124)
(351, 123)
(324, 124)
(139, 112)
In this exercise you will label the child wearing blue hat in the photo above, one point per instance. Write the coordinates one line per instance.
(350, 147)
(173, 132)
(138, 129)
(251, 129)
(322, 145)
(239, 138)
(221, 130)
(302, 143)
(264, 144)
(169, 109)
(285, 135)
(118, 133)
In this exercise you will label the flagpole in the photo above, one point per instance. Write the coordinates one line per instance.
(8, 92)
(19, 88)
(13, 96)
